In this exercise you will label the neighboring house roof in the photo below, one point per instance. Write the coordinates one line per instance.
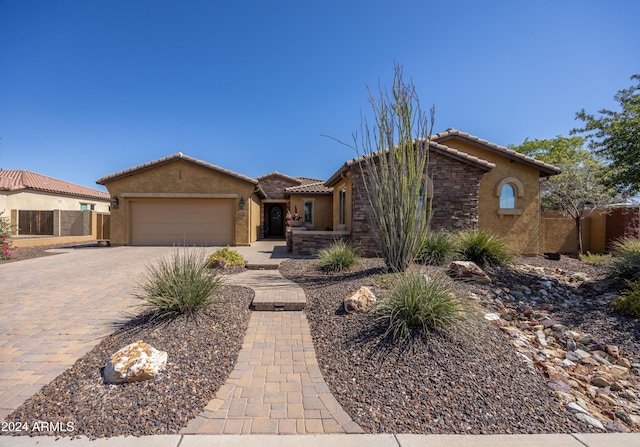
(17, 180)
(174, 157)
(435, 147)
(316, 187)
(544, 168)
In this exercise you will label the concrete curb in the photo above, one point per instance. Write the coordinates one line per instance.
(384, 440)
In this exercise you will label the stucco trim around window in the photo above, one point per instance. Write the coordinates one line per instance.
(515, 185)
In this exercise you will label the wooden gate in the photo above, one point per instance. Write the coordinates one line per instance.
(35, 222)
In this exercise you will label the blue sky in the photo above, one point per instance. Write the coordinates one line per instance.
(91, 87)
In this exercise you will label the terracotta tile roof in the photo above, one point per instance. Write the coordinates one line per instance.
(436, 147)
(16, 180)
(316, 187)
(309, 181)
(169, 159)
(545, 168)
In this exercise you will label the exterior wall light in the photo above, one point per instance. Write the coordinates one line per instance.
(241, 203)
(114, 202)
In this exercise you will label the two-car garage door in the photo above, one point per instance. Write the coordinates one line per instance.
(182, 221)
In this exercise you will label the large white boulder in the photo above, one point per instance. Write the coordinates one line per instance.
(134, 363)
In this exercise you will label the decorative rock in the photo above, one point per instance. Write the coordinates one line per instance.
(628, 394)
(491, 317)
(362, 300)
(600, 381)
(620, 372)
(624, 362)
(585, 339)
(467, 271)
(134, 363)
(613, 351)
(590, 420)
(577, 408)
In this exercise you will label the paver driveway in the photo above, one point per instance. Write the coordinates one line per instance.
(55, 309)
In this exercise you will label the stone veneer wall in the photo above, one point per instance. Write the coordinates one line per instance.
(455, 200)
(307, 243)
(274, 186)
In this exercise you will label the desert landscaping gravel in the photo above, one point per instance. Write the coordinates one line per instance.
(443, 383)
(201, 354)
(470, 382)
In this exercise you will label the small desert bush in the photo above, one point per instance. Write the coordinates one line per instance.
(230, 256)
(178, 284)
(337, 257)
(417, 304)
(437, 249)
(625, 263)
(483, 248)
(628, 303)
(594, 258)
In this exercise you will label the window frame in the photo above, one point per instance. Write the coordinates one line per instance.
(518, 192)
(310, 203)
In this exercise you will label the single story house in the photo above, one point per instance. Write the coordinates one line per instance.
(38, 204)
(179, 199)
(25, 190)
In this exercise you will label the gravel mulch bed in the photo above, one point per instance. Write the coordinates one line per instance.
(24, 253)
(470, 383)
(201, 355)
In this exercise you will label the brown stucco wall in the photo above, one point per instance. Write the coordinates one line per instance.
(177, 179)
(344, 183)
(521, 231)
(323, 209)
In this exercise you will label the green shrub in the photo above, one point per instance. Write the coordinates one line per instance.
(628, 303)
(416, 305)
(625, 263)
(483, 248)
(594, 258)
(179, 284)
(226, 254)
(437, 249)
(337, 257)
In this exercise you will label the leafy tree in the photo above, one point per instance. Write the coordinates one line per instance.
(579, 190)
(557, 151)
(394, 158)
(615, 136)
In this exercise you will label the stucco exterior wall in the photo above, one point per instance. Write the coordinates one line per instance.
(522, 231)
(346, 185)
(178, 179)
(322, 209)
(254, 216)
(42, 201)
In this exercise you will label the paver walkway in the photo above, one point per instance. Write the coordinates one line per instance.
(276, 386)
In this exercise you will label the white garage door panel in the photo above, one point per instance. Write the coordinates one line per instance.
(185, 221)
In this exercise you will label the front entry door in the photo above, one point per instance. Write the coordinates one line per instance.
(276, 224)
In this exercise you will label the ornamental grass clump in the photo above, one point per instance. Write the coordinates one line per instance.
(483, 248)
(437, 249)
(337, 257)
(628, 303)
(179, 284)
(230, 256)
(625, 263)
(417, 305)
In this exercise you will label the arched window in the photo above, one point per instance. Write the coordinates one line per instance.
(509, 190)
(508, 197)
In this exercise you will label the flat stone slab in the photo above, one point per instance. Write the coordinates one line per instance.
(272, 291)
